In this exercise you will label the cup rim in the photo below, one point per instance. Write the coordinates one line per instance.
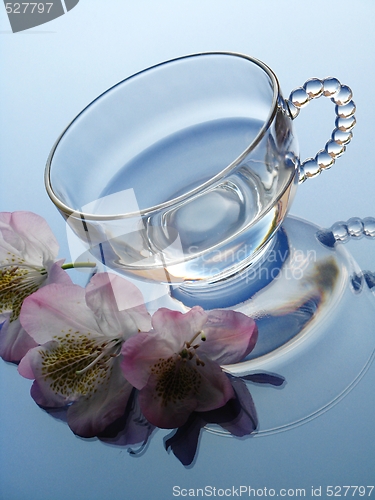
(68, 211)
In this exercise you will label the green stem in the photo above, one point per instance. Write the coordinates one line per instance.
(75, 265)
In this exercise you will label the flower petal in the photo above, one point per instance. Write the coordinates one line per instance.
(179, 388)
(57, 275)
(69, 369)
(89, 416)
(31, 366)
(131, 428)
(25, 367)
(216, 389)
(178, 327)
(54, 309)
(46, 400)
(141, 353)
(230, 336)
(117, 304)
(26, 235)
(14, 341)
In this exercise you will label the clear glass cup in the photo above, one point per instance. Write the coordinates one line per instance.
(183, 172)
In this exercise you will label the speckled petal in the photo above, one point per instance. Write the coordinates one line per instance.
(89, 416)
(67, 369)
(15, 286)
(178, 388)
(141, 352)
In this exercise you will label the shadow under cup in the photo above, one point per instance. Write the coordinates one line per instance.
(181, 173)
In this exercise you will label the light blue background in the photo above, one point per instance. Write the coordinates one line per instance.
(48, 74)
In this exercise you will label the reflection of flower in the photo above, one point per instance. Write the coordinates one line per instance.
(28, 250)
(130, 429)
(81, 332)
(176, 366)
(238, 417)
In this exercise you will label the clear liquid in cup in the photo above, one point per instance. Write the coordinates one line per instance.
(213, 232)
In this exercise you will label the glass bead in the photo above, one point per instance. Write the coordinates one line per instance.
(299, 97)
(355, 227)
(331, 87)
(335, 150)
(311, 168)
(369, 227)
(294, 111)
(343, 97)
(340, 231)
(313, 88)
(346, 111)
(342, 137)
(324, 160)
(302, 176)
(345, 124)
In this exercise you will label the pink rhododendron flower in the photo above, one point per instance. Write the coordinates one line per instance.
(176, 366)
(81, 332)
(28, 251)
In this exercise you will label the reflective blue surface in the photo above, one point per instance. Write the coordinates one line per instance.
(49, 74)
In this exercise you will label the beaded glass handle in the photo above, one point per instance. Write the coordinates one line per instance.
(341, 232)
(341, 95)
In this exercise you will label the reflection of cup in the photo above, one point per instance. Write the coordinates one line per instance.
(184, 171)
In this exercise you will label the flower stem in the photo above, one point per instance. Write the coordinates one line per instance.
(75, 265)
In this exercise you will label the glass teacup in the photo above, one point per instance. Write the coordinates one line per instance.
(183, 172)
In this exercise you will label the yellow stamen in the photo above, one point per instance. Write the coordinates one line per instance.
(16, 283)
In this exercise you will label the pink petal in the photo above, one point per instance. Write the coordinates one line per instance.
(230, 336)
(46, 400)
(117, 304)
(216, 388)
(25, 367)
(164, 416)
(57, 275)
(172, 409)
(89, 416)
(30, 235)
(30, 367)
(177, 326)
(54, 309)
(141, 353)
(14, 341)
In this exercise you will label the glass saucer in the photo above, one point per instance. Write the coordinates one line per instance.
(315, 317)
(315, 325)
